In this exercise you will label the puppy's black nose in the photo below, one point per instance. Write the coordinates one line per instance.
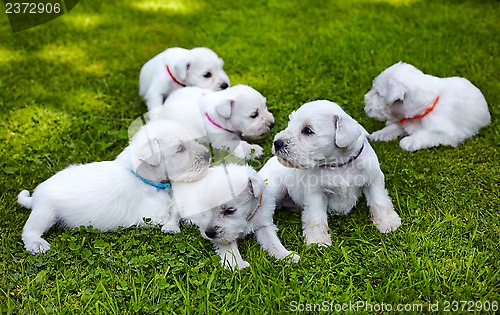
(211, 233)
(278, 144)
(206, 156)
(224, 86)
(271, 125)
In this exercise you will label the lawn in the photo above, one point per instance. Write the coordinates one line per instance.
(69, 91)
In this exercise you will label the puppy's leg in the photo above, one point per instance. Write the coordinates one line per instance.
(389, 132)
(315, 220)
(423, 140)
(268, 239)
(172, 223)
(153, 98)
(248, 151)
(39, 221)
(381, 209)
(230, 256)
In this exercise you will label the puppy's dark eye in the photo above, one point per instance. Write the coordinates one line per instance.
(228, 210)
(208, 75)
(181, 148)
(307, 131)
(255, 114)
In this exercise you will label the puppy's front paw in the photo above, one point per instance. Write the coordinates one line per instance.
(384, 135)
(388, 223)
(321, 239)
(232, 264)
(293, 258)
(256, 151)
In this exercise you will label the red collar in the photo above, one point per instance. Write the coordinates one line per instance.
(427, 111)
(216, 124)
(174, 79)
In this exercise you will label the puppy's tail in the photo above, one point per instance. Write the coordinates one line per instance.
(24, 199)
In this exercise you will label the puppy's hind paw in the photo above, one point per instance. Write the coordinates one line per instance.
(170, 229)
(40, 246)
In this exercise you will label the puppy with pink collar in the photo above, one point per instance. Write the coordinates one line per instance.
(222, 118)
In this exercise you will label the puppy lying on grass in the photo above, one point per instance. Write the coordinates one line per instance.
(176, 68)
(426, 111)
(120, 193)
(222, 118)
(323, 163)
(227, 204)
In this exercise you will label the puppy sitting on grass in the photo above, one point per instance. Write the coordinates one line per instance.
(176, 68)
(426, 111)
(120, 193)
(228, 203)
(323, 163)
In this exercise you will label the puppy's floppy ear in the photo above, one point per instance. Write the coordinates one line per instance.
(347, 130)
(395, 91)
(181, 68)
(150, 153)
(256, 185)
(224, 108)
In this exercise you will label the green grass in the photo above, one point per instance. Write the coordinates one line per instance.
(69, 92)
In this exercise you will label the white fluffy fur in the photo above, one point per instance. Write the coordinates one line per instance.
(107, 195)
(240, 110)
(227, 204)
(315, 167)
(403, 91)
(196, 67)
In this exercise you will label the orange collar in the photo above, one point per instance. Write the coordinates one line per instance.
(427, 111)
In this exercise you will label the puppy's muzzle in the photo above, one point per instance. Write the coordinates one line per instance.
(211, 233)
(278, 145)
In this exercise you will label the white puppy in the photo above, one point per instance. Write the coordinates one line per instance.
(427, 110)
(227, 204)
(176, 68)
(120, 193)
(324, 162)
(224, 117)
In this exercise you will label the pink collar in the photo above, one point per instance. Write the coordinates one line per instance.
(216, 124)
(174, 79)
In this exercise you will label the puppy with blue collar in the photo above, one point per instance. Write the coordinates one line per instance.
(129, 191)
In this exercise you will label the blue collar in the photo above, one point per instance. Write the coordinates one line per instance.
(158, 186)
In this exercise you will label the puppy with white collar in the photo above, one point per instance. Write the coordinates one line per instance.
(223, 118)
(121, 193)
(227, 204)
(176, 68)
(426, 111)
(323, 163)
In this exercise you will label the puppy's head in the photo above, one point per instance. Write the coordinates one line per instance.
(234, 194)
(203, 68)
(392, 90)
(319, 133)
(245, 109)
(163, 149)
